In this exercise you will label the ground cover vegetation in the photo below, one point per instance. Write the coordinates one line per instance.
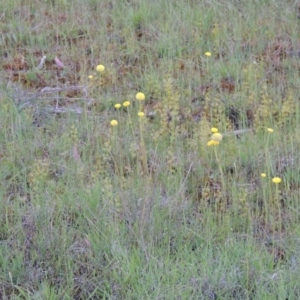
(149, 149)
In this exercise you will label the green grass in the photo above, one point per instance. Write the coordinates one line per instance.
(145, 209)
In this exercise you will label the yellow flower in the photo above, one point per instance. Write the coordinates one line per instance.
(263, 175)
(214, 130)
(276, 180)
(117, 106)
(141, 114)
(126, 103)
(217, 137)
(113, 122)
(270, 129)
(208, 54)
(213, 143)
(90, 77)
(140, 96)
(100, 68)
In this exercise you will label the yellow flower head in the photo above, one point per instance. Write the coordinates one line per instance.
(90, 77)
(100, 68)
(213, 143)
(214, 130)
(126, 103)
(270, 129)
(276, 180)
(263, 175)
(208, 54)
(141, 114)
(140, 96)
(113, 122)
(217, 137)
(117, 106)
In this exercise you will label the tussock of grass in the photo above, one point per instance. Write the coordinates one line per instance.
(138, 200)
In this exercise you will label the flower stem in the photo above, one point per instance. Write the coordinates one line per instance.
(221, 171)
(279, 208)
(143, 148)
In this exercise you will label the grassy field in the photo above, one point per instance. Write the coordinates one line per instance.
(107, 195)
